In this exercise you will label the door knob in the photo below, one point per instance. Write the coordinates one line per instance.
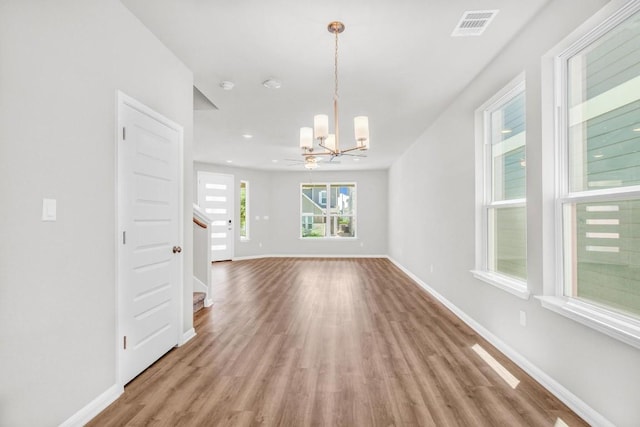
(177, 249)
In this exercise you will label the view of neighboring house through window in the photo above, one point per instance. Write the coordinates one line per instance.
(328, 210)
(244, 210)
(501, 181)
(600, 197)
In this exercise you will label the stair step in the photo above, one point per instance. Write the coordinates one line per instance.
(198, 301)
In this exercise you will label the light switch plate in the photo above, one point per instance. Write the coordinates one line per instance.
(523, 318)
(49, 209)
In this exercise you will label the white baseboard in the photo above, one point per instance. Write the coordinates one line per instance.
(94, 407)
(187, 336)
(245, 258)
(576, 404)
(208, 302)
(306, 256)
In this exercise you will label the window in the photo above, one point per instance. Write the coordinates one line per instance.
(328, 210)
(501, 257)
(598, 200)
(244, 210)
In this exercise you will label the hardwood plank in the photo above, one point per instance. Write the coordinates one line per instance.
(329, 342)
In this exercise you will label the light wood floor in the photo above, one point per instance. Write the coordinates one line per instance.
(333, 342)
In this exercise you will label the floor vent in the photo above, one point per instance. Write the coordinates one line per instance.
(474, 22)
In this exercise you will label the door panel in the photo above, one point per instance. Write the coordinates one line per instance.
(149, 223)
(216, 196)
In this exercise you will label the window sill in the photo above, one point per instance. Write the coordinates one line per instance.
(513, 286)
(333, 239)
(615, 325)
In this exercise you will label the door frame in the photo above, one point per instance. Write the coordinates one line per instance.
(123, 99)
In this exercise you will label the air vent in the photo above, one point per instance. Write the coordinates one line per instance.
(474, 22)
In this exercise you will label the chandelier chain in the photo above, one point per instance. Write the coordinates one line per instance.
(335, 70)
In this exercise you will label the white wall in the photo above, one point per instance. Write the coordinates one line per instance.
(276, 195)
(431, 213)
(60, 66)
(371, 223)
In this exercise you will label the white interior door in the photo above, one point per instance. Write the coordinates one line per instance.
(149, 220)
(216, 197)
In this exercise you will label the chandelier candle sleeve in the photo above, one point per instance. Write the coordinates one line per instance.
(306, 137)
(361, 126)
(321, 126)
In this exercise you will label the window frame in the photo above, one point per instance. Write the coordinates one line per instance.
(247, 215)
(327, 215)
(484, 190)
(609, 321)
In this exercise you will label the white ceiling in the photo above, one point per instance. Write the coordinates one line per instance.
(398, 65)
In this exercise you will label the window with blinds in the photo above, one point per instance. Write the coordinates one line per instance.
(601, 184)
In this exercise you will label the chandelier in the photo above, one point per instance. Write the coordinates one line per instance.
(330, 142)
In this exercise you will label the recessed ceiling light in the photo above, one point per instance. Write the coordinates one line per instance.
(636, 130)
(355, 159)
(274, 161)
(229, 161)
(227, 85)
(247, 136)
(598, 156)
(272, 84)
(506, 131)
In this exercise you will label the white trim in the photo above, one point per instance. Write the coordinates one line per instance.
(484, 191)
(327, 210)
(198, 284)
(513, 286)
(245, 258)
(514, 203)
(186, 337)
(620, 193)
(93, 408)
(556, 121)
(576, 404)
(623, 328)
(328, 239)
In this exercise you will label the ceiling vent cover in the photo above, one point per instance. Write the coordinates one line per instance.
(474, 22)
